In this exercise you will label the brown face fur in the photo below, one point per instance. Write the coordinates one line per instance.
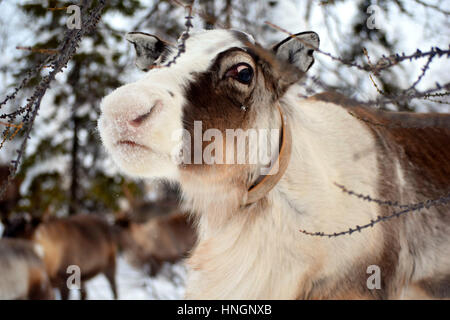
(229, 103)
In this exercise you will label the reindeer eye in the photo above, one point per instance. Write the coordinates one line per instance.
(242, 72)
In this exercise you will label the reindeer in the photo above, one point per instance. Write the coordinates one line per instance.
(85, 241)
(167, 238)
(22, 271)
(249, 215)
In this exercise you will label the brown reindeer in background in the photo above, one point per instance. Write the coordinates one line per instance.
(168, 238)
(81, 240)
(152, 233)
(22, 271)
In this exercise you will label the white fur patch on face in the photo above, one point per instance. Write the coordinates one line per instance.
(141, 121)
(140, 149)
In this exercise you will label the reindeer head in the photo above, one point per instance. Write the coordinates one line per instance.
(223, 81)
(20, 226)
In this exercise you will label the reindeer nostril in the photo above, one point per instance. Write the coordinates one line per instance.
(139, 120)
(142, 118)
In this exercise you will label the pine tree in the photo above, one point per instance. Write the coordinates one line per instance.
(80, 184)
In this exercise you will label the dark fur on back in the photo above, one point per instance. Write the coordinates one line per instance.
(419, 144)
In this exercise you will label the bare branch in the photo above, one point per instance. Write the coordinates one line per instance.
(66, 50)
(432, 6)
(407, 209)
(184, 36)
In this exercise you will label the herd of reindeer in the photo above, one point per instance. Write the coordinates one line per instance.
(35, 253)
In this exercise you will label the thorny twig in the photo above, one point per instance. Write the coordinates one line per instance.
(401, 120)
(6, 133)
(382, 64)
(368, 198)
(438, 101)
(39, 50)
(66, 50)
(182, 45)
(408, 95)
(431, 96)
(370, 76)
(431, 6)
(439, 94)
(30, 75)
(424, 70)
(406, 209)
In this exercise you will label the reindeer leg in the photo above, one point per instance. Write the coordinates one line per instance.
(155, 266)
(63, 290)
(40, 287)
(110, 274)
(83, 291)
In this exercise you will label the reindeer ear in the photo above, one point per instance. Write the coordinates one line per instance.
(123, 222)
(298, 50)
(35, 221)
(4, 218)
(148, 48)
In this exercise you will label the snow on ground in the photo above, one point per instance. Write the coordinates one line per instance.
(134, 284)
